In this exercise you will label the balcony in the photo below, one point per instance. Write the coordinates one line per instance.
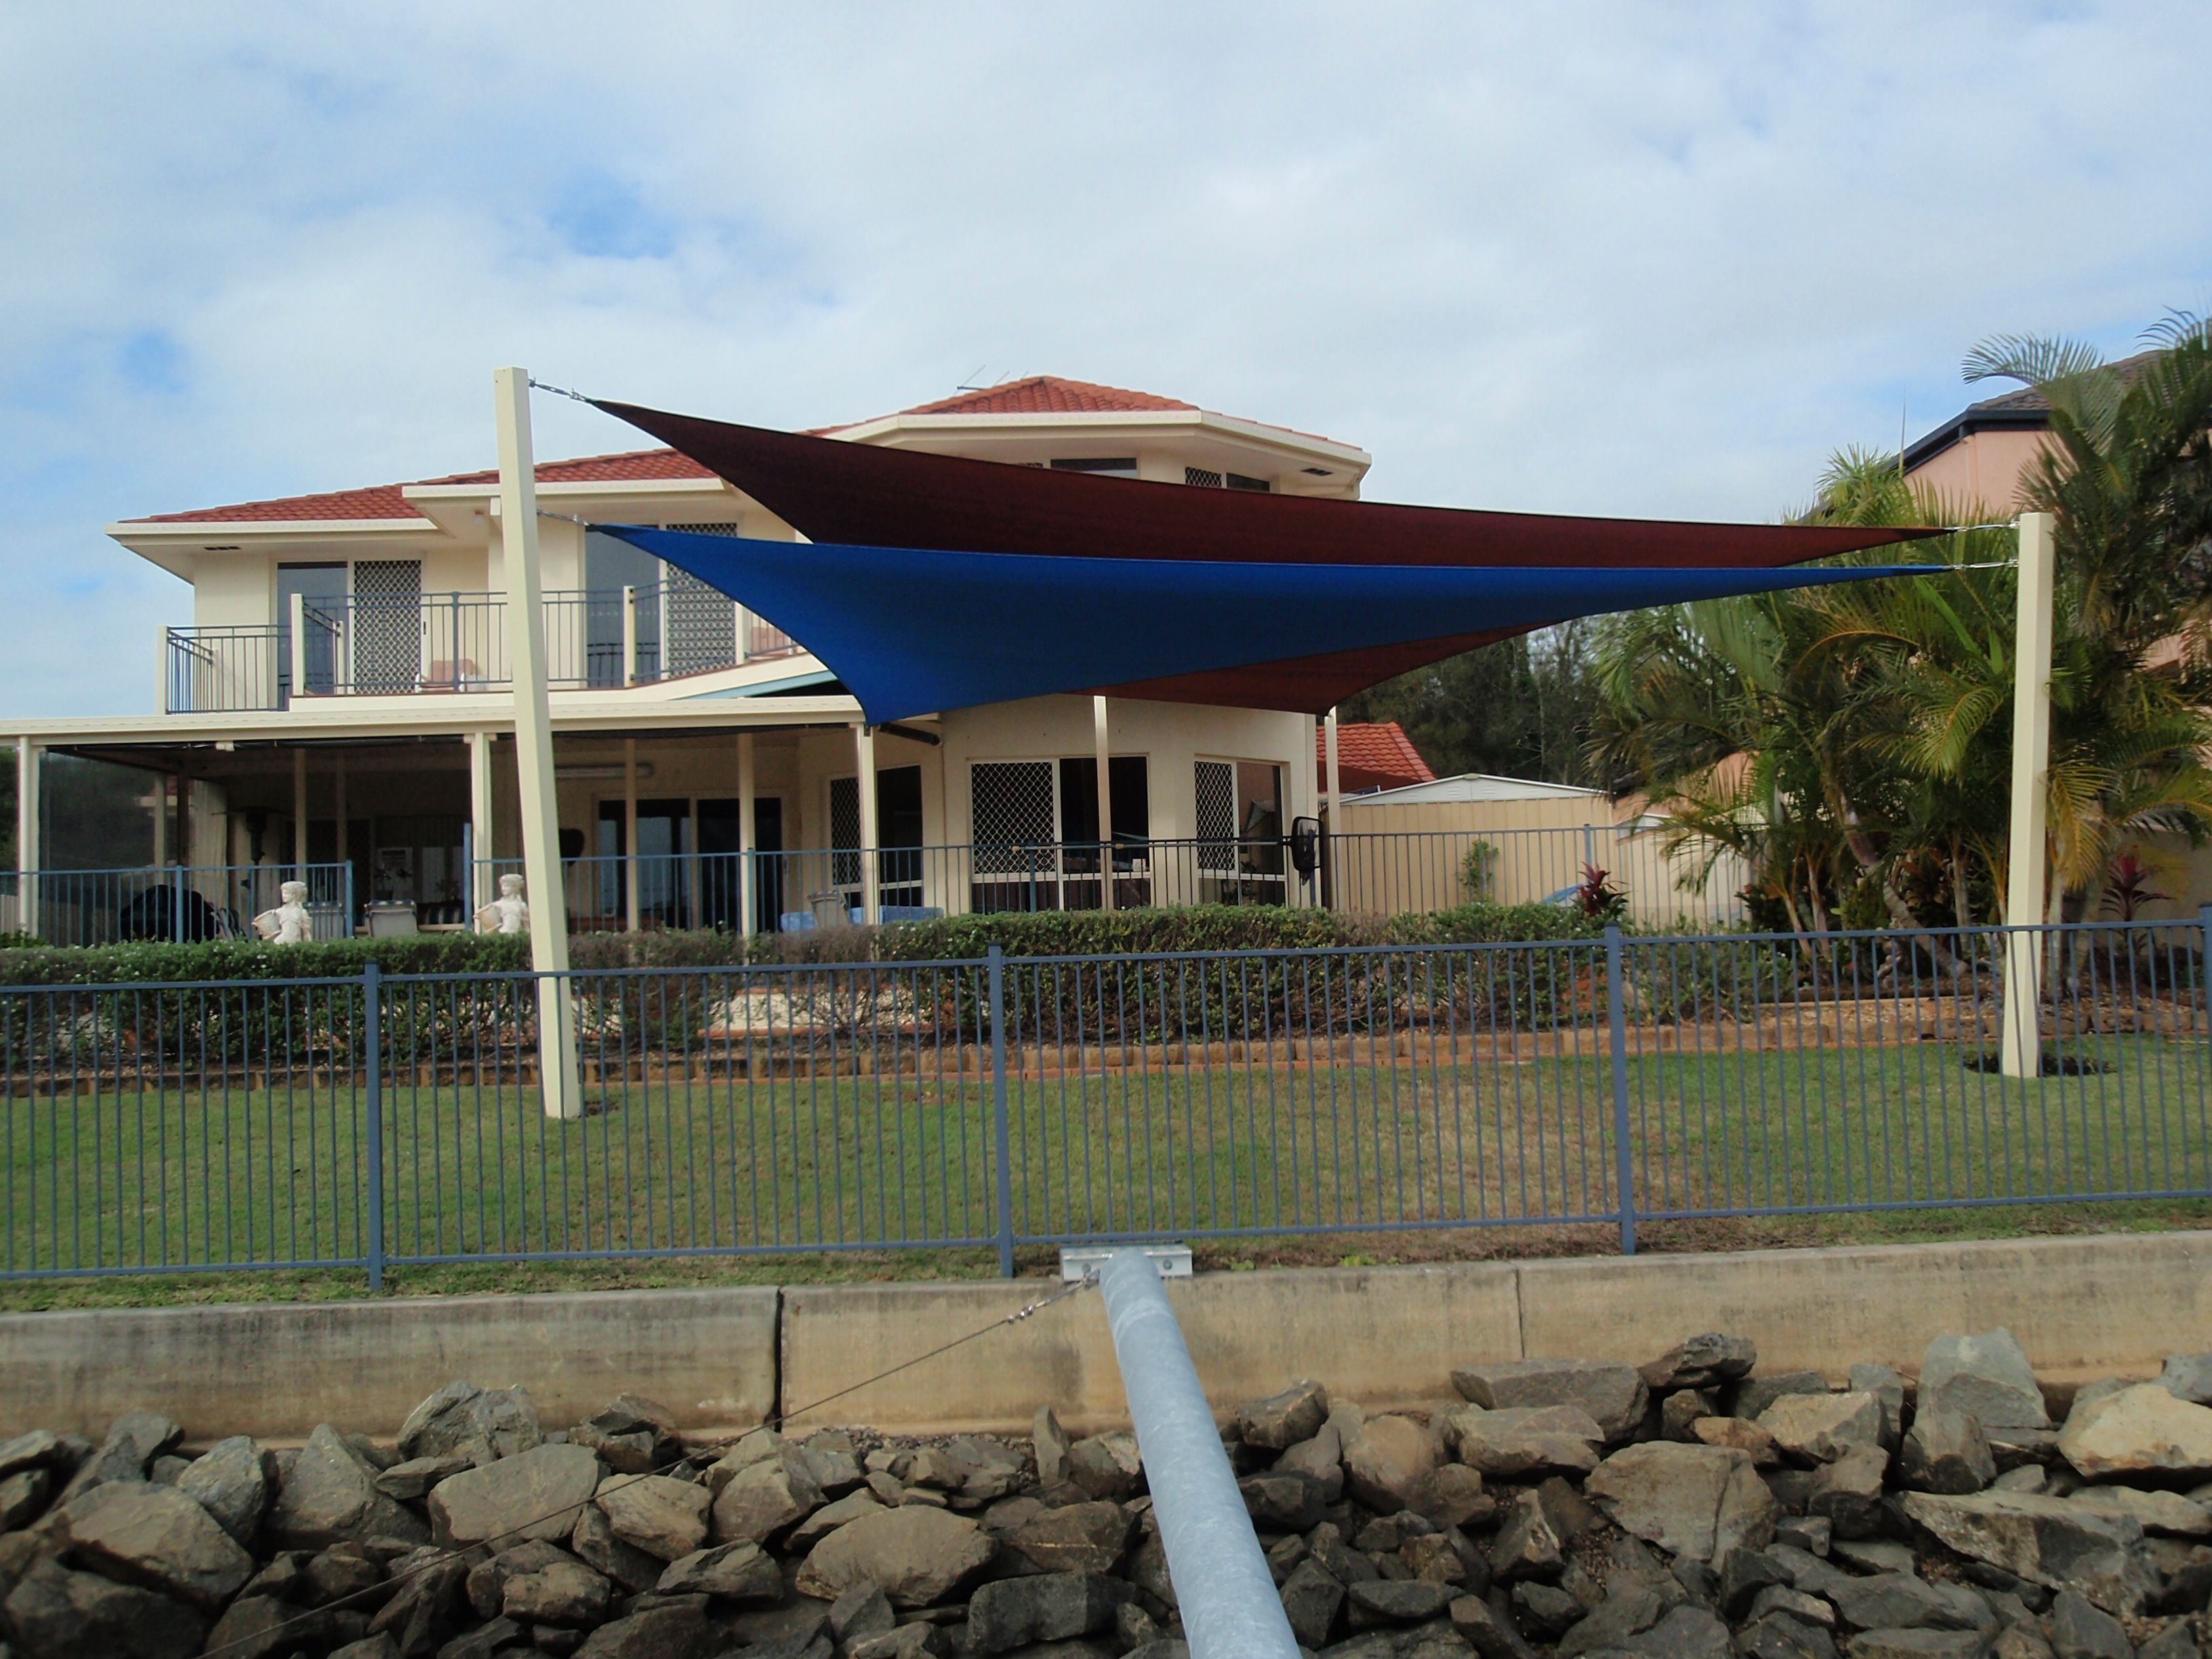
(446, 642)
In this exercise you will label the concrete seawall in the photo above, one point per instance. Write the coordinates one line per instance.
(2083, 1307)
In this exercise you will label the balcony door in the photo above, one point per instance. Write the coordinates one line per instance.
(323, 588)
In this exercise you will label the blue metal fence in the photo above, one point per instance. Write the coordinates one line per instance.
(176, 903)
(1608, 1085)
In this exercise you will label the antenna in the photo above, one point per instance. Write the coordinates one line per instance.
(975, 376)
(1904, 406)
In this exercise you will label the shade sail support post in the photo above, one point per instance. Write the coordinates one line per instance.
(561, 1089)
(1102, 751)
(2021, 1055)
(1231, 1608)
(863, 749)
(29, 774)
(748, 787)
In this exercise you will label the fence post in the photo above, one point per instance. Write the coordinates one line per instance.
(1616, 998)
(372, 1019)
(997, 973)
(2205, 959)
(177, 905)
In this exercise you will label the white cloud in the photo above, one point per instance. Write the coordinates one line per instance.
(1616, 258)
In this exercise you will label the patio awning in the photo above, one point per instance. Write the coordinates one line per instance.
(1269, 638)
(911, 630)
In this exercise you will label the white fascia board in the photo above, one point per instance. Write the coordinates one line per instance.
(220, 530)
(1134, 420)
(375, 717)
(600, 489)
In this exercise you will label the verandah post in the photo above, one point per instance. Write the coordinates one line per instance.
(372, 1020)
(996, 975)
(1624, 1166)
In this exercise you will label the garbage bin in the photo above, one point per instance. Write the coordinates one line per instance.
(829, 910)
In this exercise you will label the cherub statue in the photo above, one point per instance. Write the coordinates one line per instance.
(290, 922)
(507, 913)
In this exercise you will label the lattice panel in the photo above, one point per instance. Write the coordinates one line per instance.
(387, 628)
(1217, 815)
(1011, 804)
(845, 830)
(1201, 478)
(699, 629)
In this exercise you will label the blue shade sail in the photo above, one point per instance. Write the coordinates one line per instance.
(915, 630)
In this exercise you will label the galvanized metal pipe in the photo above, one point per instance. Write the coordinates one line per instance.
(1230, 1608)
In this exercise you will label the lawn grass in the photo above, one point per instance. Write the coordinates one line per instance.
(1406, 1158)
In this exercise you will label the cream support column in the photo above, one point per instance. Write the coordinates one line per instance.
(28, 770)
(482, 887)
(2022, 1055)
(864, 742)
(1102, 754)
(629, 835)
(533, 747)
(1333, 782)
(299, 813)
(748, 786)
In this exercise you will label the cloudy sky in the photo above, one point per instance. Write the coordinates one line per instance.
(1610, 256)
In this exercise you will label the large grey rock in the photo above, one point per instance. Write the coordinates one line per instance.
(1522, 1441)
(486, 1579)
(663, 1516)
(632, 1435)
(670, 1629)
(596, 1545)
(1688, 1632)
(1322, 1456)
(414, 1477)
(2142, 1429)
(1915, 1644)
(1074, 1538)
(425, 1606)
(1451, 1495)
(2166, 1513)
(1698, 1501)
(977, 1468)
(743, 1573)
(1283, 1501)
(1311, 1597)
(328, 1492)
(833, 1515)
(35, 1449)
(1780, 1636)
(1629, 1607)
(2186, 1376)
(263, 1627)
(1886, 1385)
(1819, 1428)
(1284, 1419)
(565, 1594)
(1488, 1626)
(59, 1615)
(1386, 1461)
(1051, 1606)
(1848, 1492)
(1945, 1452)
(134, 1440)
(1531, 1542)
(2044, 1540)
(1400, 1601)
(915, 1555)
(1049, 1444)
(1704, 1361)
(481, 1424)
(160, 1540)
(765, 1496)
(831, 1460)
(23, 1497)
(230, 1480)
(1106, 1465)
(1900, 1600)
(1738, 1434)
(2082, 1629)
(1614, 1395)
(533, 1494)
(860, 1615)
(1755, 1394)
(1987, 1377)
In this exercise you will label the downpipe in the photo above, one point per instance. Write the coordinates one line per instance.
(1230, 1605)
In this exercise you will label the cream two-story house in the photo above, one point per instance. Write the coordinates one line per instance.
(340, 703)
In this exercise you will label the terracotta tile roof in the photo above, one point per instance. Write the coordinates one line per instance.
(1048, 394)
(388, 501)
(1375, 754)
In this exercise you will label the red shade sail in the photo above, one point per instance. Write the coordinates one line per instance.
(830, 490)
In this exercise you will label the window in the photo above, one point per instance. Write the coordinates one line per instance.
(1118, 466)
(1132, 815)
(323, 589)
(1035, 825)
(664, 836)
(898, 835)
(1011, 806)
(1206, 479)
(1240, 816)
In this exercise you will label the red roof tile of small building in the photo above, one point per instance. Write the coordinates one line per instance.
(1371, 754)
(1048, 394)
(390, 500)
